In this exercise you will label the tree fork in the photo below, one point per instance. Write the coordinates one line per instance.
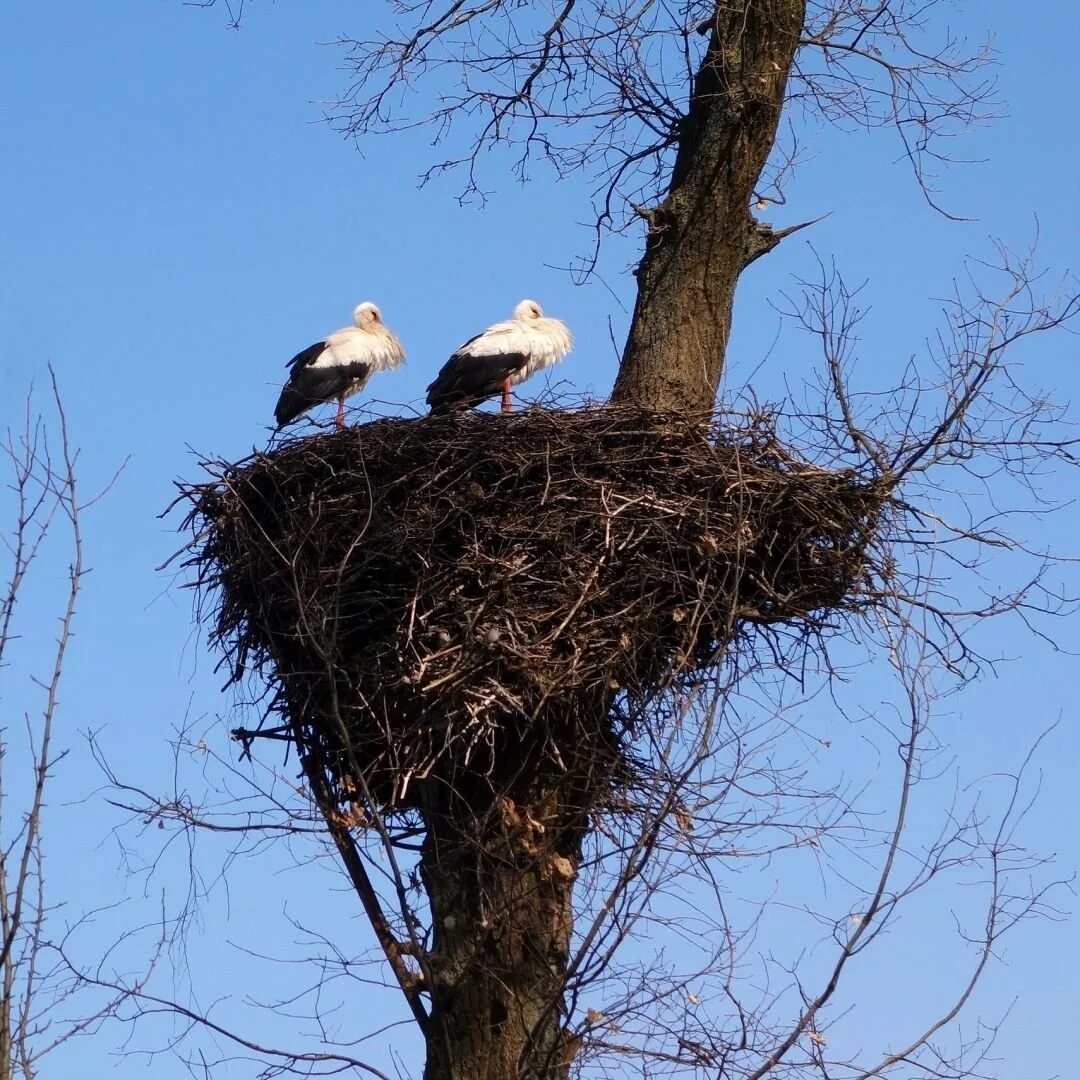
(703, 235)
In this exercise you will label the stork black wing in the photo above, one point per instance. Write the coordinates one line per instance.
(465, 381)
(309, 385)
(306, 357)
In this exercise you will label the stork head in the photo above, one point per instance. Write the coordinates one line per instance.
(367, 315)
(528, 311)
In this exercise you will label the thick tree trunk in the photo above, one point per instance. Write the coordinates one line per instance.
(500, 895)
(702, 236)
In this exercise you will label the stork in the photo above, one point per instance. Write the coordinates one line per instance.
(502, 356)
(339, 365)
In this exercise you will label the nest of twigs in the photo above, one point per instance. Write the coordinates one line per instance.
(450, 597)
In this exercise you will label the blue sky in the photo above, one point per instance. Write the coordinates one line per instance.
(177, 223)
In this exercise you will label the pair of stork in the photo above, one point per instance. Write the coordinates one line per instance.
(502, 356)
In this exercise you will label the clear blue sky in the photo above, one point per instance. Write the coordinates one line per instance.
(177, 223)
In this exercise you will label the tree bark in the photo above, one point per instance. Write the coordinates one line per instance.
(500, 895)
(703, 235)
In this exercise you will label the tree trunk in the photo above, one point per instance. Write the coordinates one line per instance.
(500, 894)
(702, 236)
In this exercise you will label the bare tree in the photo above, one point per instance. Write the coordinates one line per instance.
(42, 1004)
(508, 878)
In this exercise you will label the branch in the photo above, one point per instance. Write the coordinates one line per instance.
(763, 238)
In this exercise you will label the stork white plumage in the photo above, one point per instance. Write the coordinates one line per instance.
(502, 356)
(339, 365)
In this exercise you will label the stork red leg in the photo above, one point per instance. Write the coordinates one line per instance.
(341, 412)
(506, 395)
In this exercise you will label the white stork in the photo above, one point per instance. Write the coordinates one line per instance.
(502, 356)
(339, 365)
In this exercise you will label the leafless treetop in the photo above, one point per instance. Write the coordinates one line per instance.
(604, 87)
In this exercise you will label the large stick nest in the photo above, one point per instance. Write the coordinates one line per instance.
(429, 597)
